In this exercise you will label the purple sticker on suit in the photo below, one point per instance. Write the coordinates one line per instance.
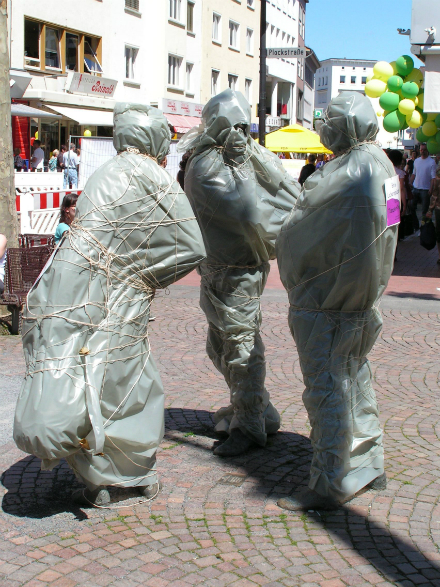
(392, 194)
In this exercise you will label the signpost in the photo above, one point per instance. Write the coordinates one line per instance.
(289, 52)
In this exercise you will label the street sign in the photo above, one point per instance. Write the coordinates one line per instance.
(317, 113)
(289, 52)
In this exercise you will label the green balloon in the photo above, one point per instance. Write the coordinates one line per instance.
(410, 90)
(437, 121)
(394, 121)
(437, 137)
(394, 83)
(433, 146)
(404, 65)
(389, 101)
(420, 136)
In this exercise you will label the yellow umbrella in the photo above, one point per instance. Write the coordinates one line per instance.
(294, 139)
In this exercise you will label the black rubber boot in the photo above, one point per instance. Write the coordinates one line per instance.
(150, 491)
(306, 500)
(379, 484)
(237, 444)
(90, 498)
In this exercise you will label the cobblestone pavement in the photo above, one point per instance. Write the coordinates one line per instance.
(216, 523)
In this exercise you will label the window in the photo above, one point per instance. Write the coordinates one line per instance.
(130, 60)
(215, 74)
(300, 106)
(326, 79)
(342, 79)
(364, 80)
(248, 90)
(353, 79)
(189, 77)
(32, 43)
(233, 82)
(249, 41)
(175, 9)
(174, 64)
(250, 3)
(52, 51)
(319, 81)
(216, 21)
(233, 34)
(190, 17)
(72, 42)
(90, 59)
(342, 67)
(133, 4)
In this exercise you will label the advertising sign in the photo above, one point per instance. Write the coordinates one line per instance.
(179, 107)
(92, 85)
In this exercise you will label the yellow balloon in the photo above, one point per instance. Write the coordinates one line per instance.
(431, 116)
(380, 112)
(414, 120)
(406, 107)
(383, 70)
(370, 77)
(416, 101)
(87, 133)
(415, 76)
(429, 129)
(394, 66)
(421, 98)
(375, 88)
(36, 135)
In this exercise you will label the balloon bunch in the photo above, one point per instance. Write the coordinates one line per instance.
(398, 85)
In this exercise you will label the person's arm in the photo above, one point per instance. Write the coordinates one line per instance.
(3, 243)
(403, 194)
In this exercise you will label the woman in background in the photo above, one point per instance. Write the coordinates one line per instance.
(67, 214)
(53, 161)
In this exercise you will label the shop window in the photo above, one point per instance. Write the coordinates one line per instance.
(175, 9)
(190, 17)
(189, 77)
(215, 75)
(174, 65)
(233, 82)
(90, 59)
(131, 54)
(72, 43)
(249, 41)
(216, 31)
(233, 34)
(248, 90)
(32, 32)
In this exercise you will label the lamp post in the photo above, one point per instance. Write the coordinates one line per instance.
(262, 100)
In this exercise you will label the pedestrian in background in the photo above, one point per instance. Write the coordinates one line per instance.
(67, 214)
(410, 163)
(18, 161)
(53, 161)
(60, 162)
(421, 179)
(70, 160)
(434, 206)
(320, 161)
(37, 161)
(308, 169)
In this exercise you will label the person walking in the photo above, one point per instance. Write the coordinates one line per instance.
(70, 161)
(434, 206)
(421, 179)
(308, 169)
(37, 161)
(60, 161)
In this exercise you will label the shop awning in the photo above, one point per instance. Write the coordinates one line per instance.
(85, 117)
(182, 124)
(24, 110)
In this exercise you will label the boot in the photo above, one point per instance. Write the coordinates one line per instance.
(151, 491)
(237, 444)
(306, 500)
(89, 498)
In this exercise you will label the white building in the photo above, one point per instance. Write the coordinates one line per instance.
(350, 75)
(289, 82)
(75, 61)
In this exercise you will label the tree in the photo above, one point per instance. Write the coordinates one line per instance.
(8, 212)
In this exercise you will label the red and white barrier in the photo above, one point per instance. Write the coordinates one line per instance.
(45, 200)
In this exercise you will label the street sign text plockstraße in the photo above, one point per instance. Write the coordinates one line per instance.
(288, 52)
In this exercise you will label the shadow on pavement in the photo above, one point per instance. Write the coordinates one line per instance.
(412, 295)
(282, 467)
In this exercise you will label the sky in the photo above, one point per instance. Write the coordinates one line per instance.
(358, 29)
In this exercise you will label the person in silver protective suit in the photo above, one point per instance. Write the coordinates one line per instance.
(92, 393)
(240, 194)
(335, 254)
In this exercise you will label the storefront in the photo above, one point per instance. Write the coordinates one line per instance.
(182, 116)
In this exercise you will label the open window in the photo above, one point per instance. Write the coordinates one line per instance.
(32, 31)
(72, 43)
(91, 61)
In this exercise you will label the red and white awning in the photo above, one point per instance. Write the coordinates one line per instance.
(182, 124)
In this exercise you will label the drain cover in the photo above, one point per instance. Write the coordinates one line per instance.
(235, 479)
